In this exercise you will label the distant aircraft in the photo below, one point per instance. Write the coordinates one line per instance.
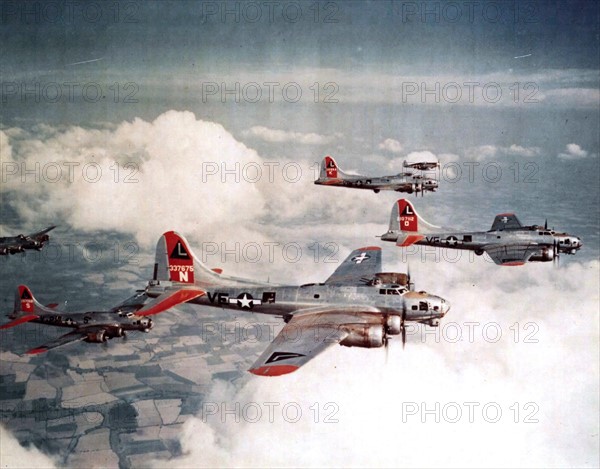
(93, 326)
(356, 306)
(19, 243)
(507, 242)
(332, 175)
(422, 165)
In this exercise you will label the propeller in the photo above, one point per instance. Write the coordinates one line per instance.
(409, 283)
(546, 224)
(555, 252)
(386, 345)
(402, 326)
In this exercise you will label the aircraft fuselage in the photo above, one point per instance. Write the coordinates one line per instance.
(478, 240)
(126, 322)
(407, 184)
(286, 300)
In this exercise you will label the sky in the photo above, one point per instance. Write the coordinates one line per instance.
(122, 120)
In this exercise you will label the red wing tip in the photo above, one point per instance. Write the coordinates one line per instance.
(217, 271)
(36, 351)
(273, 370)
(505, 215)
(370, 248)
(514, 263)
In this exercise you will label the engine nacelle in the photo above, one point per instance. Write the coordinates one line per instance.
(112, 332)
(393, 324)
(97, 337)
(362, 335)
(546, 256)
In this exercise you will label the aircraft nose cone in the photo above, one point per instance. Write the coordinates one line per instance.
(446, 306)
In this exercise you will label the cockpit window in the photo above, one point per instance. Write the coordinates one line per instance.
(423, 306)
(391, 291)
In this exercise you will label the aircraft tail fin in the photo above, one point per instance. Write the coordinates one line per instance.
(25, 303)
(26, 308)
(405, 218)
(330, 169)
(175, 262)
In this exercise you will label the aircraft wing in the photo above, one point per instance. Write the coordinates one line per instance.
(511, 254)
(73, 336)
(131, 304)
(40, 233)
(361, 264)
(505, 221)
(307, 335)
(169, 300)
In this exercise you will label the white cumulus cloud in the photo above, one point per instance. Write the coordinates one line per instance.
(573, 152)
(279, 136)
(391, 145)
(13, 455)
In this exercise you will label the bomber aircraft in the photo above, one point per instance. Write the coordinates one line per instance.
(507, 242)
(19, 243)
(422, 165)
(93, 326)
(332, 175)
(358, 305)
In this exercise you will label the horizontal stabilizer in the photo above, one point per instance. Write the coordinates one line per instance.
(21, 320)
(406, 239)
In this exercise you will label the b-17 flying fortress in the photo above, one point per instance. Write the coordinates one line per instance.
(91, 326)
(332, 175)
(20, 243)
(507, 242)
(357, 305)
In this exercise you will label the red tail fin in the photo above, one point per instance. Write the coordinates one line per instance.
(330, 166)
(405, 218)
(181, 260)
(409, 220)
(24, 299)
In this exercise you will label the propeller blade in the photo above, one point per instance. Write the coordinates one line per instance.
(402, 326)
(408, 276)
(387, 350)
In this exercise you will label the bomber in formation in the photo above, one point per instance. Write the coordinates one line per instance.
(21, 242)
(507, 242)
(90, 326)
(358, 305)
(411, 182)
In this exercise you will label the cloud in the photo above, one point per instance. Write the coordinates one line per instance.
(16, 456)
(421, 156)
(281, 136)
(485, 152)
(572, 97)
(172, 171)
(391, 145)
(176, 172)
(573, 152)
(523, 358)
(518, 150)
